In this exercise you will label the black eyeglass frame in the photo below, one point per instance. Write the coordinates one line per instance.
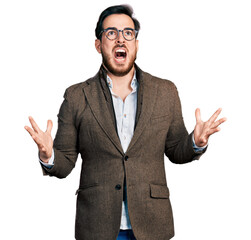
(118, 31)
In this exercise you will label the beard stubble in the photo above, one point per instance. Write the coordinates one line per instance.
(118, 70)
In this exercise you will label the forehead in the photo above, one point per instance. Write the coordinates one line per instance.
(120, 21)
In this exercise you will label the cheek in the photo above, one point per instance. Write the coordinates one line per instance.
(133, 52)
(106, 47)
(134, 48)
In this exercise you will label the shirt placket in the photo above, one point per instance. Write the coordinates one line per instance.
(125, 123)
(125, 112)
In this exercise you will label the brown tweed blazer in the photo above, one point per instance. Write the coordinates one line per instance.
(87, 125)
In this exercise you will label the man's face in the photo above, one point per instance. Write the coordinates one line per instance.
(119, 54)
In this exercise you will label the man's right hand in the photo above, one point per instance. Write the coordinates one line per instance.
(43, 140)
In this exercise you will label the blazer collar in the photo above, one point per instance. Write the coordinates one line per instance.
(100, 101)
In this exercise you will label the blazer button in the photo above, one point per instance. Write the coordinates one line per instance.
(118, 187)
(126, 158)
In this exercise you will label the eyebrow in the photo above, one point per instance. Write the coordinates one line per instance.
(123, 28)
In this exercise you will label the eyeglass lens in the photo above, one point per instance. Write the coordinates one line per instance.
(112, 34)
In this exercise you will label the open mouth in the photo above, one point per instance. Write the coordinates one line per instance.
(120, 54)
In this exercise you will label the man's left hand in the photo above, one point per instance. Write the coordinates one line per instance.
(203, 130)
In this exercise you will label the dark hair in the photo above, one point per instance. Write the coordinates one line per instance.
(117, 9)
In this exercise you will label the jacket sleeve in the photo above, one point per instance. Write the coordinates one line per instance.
(179, 144)
(66, 141)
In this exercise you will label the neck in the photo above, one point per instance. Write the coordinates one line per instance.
(122, 81)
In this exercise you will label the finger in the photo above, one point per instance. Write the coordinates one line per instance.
(197, 115)
(212, 131)
(49, 126)
(34, 136)
(214, 116)
(29, 130)
(34, 125)
(219, 122)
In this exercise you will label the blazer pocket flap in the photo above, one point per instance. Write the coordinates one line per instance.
(159, 191)
(81, 188)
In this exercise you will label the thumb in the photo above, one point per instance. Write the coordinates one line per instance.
(49, 126)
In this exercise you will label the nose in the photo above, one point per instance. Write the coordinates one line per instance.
(120, 38)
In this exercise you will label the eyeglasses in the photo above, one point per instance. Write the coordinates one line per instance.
(112, 33)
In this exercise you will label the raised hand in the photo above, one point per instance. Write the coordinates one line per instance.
(203, 130)
(43, 140)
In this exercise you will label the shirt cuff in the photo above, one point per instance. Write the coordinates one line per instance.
(196, 148)
(50, 164)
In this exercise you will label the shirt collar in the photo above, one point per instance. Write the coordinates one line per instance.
(133, 82)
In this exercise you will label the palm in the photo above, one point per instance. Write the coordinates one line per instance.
(45, 147)
(43, 140)
(203, 130)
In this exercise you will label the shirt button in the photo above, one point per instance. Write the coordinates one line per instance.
(118, 187)
(125, 115)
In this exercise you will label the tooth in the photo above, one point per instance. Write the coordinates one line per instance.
(120, 50)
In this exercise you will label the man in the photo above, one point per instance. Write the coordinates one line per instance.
(122, 122)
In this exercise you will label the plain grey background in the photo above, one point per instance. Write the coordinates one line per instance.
(202, 46)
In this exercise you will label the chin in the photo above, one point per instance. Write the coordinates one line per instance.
(119, 70)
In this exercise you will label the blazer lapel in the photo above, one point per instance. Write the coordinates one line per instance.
(147, 94)
(100, 104)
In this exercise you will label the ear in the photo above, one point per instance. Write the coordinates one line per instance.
(98, 45)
